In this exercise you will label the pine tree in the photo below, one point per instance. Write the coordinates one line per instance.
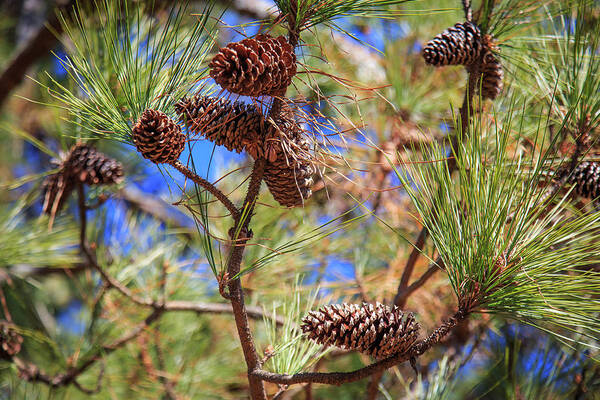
(192, 210)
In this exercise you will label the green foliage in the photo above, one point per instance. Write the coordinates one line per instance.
(291, 352)
(493, 210)
(127, 62)
(308, 13)
(441, 384)
(32, 243)
(564, 68)
(124, 58)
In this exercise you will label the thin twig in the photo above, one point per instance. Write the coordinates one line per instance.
(168, 384)
(98, 383)
(208, 186)
(468, 10)
(32, 373)
(410, 266)
(402, 297)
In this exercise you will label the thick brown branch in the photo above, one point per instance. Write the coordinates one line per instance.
(236, 295)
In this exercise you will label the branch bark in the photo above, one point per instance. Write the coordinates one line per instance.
(212, 189)
(236, 294)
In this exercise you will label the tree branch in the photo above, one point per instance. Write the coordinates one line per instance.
(236, 294)
(208, 186)
(32, 373)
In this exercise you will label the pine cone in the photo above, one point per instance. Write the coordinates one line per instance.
(288, 174)
(290, 185)
(492, 75)
(458, 45)
(377, 330)
(158, 137)
(586, 177)
(258, 66)
(87, 165)
(235, 125)
(10, 341)
(82, 164)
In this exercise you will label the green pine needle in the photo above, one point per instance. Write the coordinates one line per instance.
(308, 13)
(492, 209)
(291, 352)
(564, 67)
(32, 244)
(123, 62)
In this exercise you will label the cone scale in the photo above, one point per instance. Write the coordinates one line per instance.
(158, 138)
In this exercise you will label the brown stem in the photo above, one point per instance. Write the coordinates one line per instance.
(33, 373)
(339, 378)
(208, 186)
(236, 294)
(174, 305)
(168, 384)
(409, 267)
(468, 10)
(308, 391)
(402, 297)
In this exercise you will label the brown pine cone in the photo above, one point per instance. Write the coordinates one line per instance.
(288, 174)
(458, 45)
(289, 181)
(10, 340)
(376, 330)
(82, 164)
(235, 125)
(158, 137)
(257, 66)
(492, 75)
(87, 165)
(586, 178)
